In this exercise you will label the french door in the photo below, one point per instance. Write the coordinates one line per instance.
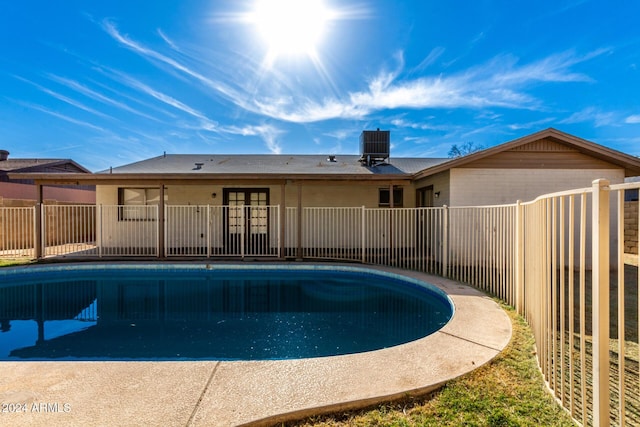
(247, 221)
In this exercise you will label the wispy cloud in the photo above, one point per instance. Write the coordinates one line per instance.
(63, 98)
(268, 133)
(530, 125)
(554, 68)
(78, 87)
(206, 123)
(402, 123)
(144, 51)
(634, 119)
(59, 115)
(592, 114)
(432, 57)
(130, 96)
(500, 83)
(168, 41)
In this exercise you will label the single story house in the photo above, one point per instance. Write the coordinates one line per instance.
(522, 169)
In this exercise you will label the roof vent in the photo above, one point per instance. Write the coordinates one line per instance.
(198, 166)
(331, 159)
(4, 155)
(374, 146)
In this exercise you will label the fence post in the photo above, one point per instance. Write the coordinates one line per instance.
(100, 224)
(600, 294)
(364, 241)
(161, 210)
(38, 230)
(519, 257)
(299, 253)
(445, 241)
(208, 230)
(280, 225)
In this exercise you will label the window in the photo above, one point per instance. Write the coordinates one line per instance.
(135, 202)
(424, 197)
(383, 197)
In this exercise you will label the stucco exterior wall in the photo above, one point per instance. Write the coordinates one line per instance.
(481, 187)
(313, 195)
(116, 232)
(441, 185)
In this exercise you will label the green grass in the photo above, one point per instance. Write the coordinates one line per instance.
(12, 262)
(508, 391)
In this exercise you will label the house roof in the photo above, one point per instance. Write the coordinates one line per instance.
(630, 164)
(41, 165)
(207, 167)
(277, 165)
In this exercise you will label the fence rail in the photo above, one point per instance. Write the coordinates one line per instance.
(558, 259)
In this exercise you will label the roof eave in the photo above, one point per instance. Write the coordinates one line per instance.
(119, 178)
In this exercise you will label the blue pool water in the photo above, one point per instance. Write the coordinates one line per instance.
(205, 312)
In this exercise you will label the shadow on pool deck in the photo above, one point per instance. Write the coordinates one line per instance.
(258, 392)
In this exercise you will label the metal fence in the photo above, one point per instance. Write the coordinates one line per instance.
(17, 232)
(69, 229)
(230, 231)
(558, 259)
(581, 300)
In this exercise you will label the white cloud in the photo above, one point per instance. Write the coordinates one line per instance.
(435, 53)
(78, 87)
(63, 98)
(592, 114)
(500, 83)
(633, 119)
(206, 123)
(529, 125)
(61, 116)
(402, 123)
(168, 41)
(112, 30)
(554, 68)
(268, 133)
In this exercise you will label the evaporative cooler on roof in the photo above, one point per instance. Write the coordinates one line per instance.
(374, 146)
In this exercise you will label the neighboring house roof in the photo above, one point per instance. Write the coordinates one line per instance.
(271, 164)
(630, 164)
(41, 165)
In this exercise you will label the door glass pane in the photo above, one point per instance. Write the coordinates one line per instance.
(236, 212)
(258, 215)
(258, 220)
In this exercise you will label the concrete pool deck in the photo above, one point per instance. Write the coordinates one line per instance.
(214, 393)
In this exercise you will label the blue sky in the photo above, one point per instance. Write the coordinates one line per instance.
(110, 82)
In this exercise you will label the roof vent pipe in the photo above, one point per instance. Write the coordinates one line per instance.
(4, 155)
(199, 166)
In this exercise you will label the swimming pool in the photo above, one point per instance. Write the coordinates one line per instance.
(210, 312)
